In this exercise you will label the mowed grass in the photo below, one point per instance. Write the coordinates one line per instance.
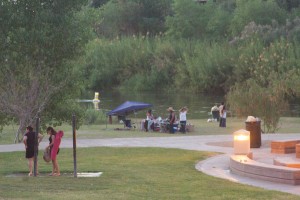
(201, 126)
(128, 173)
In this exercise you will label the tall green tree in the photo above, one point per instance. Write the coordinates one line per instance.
(133, 17)
(153, 15)
(218, 25)
(272, 80)
(98, 3)
(37, 41)
(190, 19)
(288, 4)
(259, 11)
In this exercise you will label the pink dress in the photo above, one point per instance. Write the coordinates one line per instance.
(56, 144)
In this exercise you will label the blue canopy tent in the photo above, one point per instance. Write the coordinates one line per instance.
(127, 108)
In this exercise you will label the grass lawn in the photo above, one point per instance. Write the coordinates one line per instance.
(202, 127)
(128, 173)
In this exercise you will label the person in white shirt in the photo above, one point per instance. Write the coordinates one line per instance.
(182, 118)
(149, 120)
(223, 117)
(215, 112)
(221, 107)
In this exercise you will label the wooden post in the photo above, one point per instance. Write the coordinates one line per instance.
(110, 119)
(36, 145)
(74, 144)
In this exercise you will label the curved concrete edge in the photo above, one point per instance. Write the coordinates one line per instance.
(244, 166)
(218, 166)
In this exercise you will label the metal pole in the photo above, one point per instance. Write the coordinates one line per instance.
(74, 144)
(106, 123)
(36, 143)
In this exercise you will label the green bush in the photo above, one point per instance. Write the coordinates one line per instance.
(258, 11)
(93, 116)
(269, 82)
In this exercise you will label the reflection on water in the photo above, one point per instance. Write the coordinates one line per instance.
(199, 104)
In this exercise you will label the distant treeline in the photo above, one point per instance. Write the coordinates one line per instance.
(52, 51)
(247, 50)
(184, 44)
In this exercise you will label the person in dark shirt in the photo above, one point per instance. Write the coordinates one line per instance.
(171, 119)
(28, 140)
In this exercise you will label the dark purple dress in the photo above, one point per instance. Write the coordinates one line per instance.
(30, 144)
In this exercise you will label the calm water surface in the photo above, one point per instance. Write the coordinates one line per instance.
(199, 104)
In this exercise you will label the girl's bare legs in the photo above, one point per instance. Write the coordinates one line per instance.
(30, 166)
(53, 169)
(56, 168)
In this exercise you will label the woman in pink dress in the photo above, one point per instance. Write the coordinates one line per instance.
(54, 139)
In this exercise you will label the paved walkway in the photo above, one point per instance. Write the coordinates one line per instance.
(217, 166)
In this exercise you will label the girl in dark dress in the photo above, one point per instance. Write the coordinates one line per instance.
(29, 140)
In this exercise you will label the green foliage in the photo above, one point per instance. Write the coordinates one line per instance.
(98, 3)
(109, 63)
(133, 17)
(269, 81)
(153, 14)
(207, 69)
(145, 63)
(118, 18)
(292, 82)
(139, 63)
(250, 99)
(38, 40)
(288, 4)
(188, 56)
(270, 33)
(248, 52)
(227, 5)
(190, 19)
(142, 45)
(4, 121)
(258, 11)
(219, 23)
(86, 20)
(93, 116)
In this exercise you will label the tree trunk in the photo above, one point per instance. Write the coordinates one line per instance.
(20, 131)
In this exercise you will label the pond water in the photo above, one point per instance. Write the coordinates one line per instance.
(199, 105)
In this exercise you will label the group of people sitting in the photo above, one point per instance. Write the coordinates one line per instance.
(170, 124)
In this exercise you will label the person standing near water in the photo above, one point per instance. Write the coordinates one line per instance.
(172, 119)
(221, 107)
(182, 118)
(148, 121)
(223, 117)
